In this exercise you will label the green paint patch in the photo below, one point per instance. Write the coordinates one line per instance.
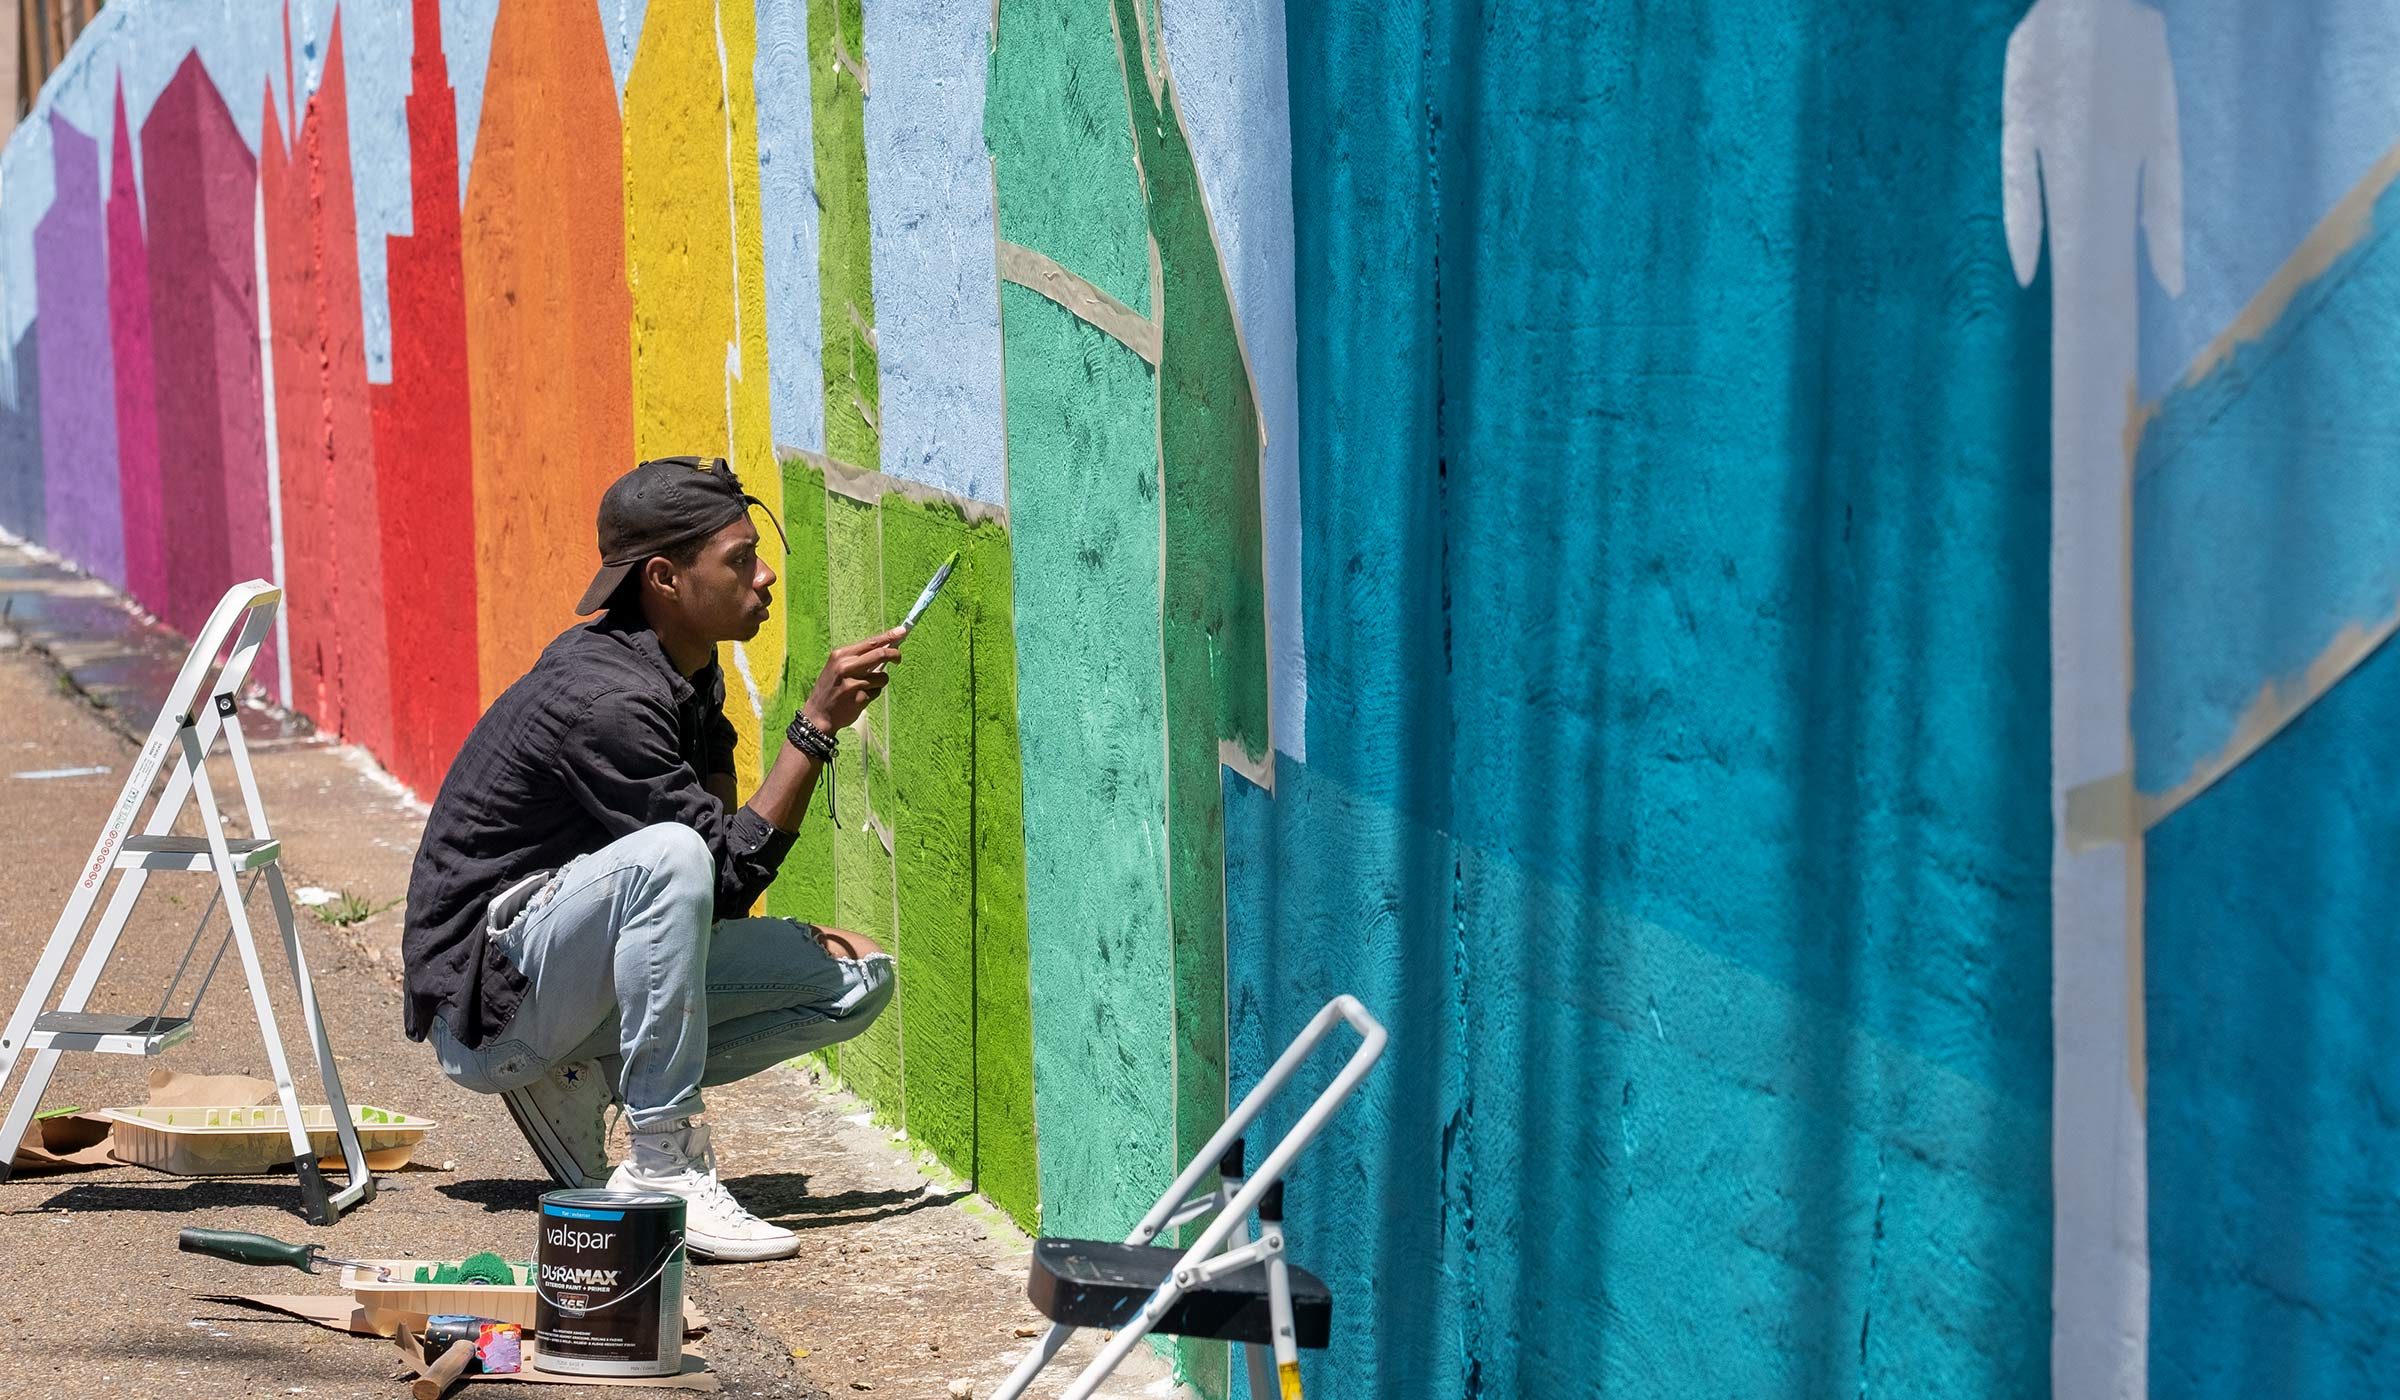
(1214, 601)
(932, 810)
(1005, 1150)
(1084, 526)
(1142, 604)
(952, 1061)
(838, 126)
(862, 867)
(804, 889)
(1054, 118)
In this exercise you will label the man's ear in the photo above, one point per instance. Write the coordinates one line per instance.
(660, 572)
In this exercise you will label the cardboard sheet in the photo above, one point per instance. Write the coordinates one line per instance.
(340, 1313)
(695, 1374)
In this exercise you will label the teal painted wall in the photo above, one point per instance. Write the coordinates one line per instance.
(1673, 456)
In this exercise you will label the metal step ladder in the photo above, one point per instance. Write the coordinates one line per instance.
(1227, 1285)
(200, 708)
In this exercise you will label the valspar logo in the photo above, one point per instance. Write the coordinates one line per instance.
(565, 1238)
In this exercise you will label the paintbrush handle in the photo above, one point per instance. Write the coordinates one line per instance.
(444, 1372)
(244, 1248)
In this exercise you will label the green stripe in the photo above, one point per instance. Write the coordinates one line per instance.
(862, 870)
(804, 889)
(1214, 603)
(838, 126)
(1004, 1117)
(1084, 523)
(932, 810)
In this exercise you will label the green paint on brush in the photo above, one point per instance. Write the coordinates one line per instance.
(932, 811)
(837, 112)
(862, 869)
(1005, 1141)
(804, 888)
(1084, 525)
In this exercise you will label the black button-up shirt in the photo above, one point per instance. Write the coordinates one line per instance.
(600, 739)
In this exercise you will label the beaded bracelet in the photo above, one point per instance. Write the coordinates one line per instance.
(804, 735)
(812, 740)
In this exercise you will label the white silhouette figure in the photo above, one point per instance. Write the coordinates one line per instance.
(2089, 148)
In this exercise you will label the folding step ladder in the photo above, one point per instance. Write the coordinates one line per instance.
(1226, 1286)
(186, 729)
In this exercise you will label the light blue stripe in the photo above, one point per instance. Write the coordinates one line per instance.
(930, 231)
(2283, 106)
(787, 187)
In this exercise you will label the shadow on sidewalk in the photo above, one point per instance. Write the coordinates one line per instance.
(782, 1197)
(498, 1193)
(173, 1197)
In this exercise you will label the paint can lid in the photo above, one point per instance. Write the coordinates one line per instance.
(612, 1200)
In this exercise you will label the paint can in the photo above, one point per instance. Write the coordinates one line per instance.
(608, 1284)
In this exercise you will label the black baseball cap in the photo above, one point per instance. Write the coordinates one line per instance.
(657, 508)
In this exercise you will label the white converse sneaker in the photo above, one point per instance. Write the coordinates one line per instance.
(677, 1159)
(563, 1115)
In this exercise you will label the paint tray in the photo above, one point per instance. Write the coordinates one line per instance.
(401, 1300)
(247, 1140)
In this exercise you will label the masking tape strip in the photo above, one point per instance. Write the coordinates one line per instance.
(2276, 705)
(1260, 770)
(1082, 300)
(841, 55)
(869, 487)
(2100, 813)
(2349, 221)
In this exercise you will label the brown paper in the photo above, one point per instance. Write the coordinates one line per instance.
(169, 1089)
(66, 1143)
(694, 1376)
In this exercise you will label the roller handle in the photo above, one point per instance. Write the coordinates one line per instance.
(244, 1248)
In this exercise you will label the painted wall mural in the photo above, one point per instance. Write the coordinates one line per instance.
(1795, 598)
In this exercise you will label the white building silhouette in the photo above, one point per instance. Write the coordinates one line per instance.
(2088, 151)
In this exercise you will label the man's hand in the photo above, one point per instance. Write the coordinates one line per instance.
(853, 676)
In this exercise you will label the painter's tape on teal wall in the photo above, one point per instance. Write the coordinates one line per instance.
(2253, 542)
(1674, 447)
(2274, 1096)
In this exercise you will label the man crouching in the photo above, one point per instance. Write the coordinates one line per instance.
(563, 947)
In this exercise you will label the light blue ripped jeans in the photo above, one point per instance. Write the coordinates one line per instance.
(627, 966)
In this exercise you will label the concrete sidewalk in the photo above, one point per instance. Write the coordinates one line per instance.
(906, 1283)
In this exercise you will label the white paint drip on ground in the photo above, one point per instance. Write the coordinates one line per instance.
(44, 774)
(2090, 153)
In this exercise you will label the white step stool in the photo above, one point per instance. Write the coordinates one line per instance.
(1227, 1285)
(198, 710)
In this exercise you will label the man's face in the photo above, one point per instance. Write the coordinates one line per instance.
(725, 593)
